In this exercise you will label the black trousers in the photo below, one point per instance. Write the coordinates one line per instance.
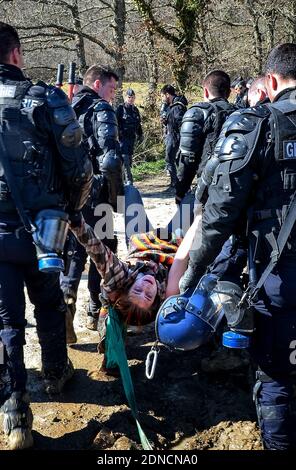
(19, 267)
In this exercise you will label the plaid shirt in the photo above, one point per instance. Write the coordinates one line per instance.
(114, 272)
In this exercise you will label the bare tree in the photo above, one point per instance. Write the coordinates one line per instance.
(151, 40)
(71, 25)
(181, 35)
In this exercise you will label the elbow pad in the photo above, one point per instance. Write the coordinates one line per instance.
(81, 186)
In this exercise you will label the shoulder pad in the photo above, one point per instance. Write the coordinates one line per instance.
(37, 91)
(35, 96)
(55, 97)
(233, 147)
(197, 113)
(104, 113)
(243, 121)
(240, 139)
(102, 105)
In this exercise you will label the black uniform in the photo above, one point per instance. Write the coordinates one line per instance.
(129, 125)
(98, 122)
(256, 176)
(200, 130)
(42, 142)
(173, 124)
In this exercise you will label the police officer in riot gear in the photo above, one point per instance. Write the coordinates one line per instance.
(177, 108)
(201, 126)
(40, 144)
(257, 161)
(129, 125)
(98, 122)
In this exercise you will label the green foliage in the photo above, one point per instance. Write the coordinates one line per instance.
(145, 169)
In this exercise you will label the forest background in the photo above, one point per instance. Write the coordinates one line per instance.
(149, 43)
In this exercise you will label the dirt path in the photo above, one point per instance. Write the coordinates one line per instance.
(197, 400)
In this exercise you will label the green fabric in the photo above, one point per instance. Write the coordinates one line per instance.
(116, 355)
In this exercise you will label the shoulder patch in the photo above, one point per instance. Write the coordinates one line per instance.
(289, 150)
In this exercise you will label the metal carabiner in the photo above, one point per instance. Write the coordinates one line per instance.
(151, 361)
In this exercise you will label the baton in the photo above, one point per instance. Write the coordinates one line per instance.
(60, 74)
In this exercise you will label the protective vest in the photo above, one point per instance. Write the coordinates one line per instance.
(277, 182)
(99, 125)
(84, 110)
(28, 149)
(129, 121)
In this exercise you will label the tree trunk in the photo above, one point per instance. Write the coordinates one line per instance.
(119, 27)
(292, 28)
(187, 14)
(79, 40)
(152, 64)
(271, 25)
(257, 35)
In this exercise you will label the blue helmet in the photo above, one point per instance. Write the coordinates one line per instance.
(188, 320)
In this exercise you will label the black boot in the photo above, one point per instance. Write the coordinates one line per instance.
(17, 421)
(54, 379)
(57, 369)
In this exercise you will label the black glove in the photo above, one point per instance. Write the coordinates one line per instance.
(75, 218)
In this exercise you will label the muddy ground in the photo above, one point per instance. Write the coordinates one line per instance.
(197, 400)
